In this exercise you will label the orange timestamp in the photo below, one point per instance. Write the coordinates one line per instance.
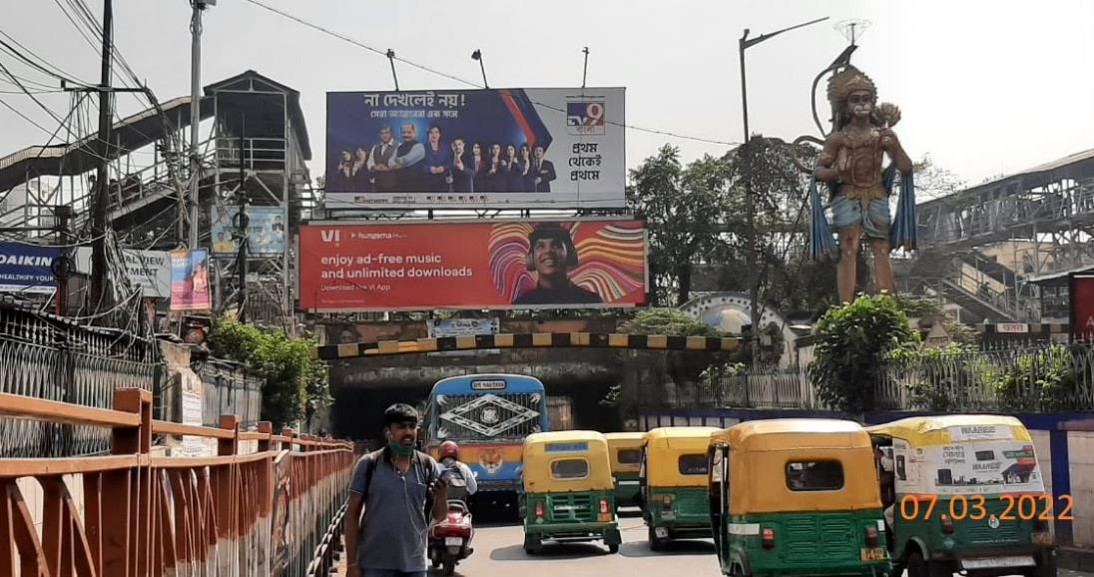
(959, 507)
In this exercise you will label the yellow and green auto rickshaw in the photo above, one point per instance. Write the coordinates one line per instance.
(966, 494)
(673, 484)
(626, 455)
(796, 497)
(569, 495)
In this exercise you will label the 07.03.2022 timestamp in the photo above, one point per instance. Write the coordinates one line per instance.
(975, 507)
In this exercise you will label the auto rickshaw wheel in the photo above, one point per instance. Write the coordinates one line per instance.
(919, 567)
(1046, 564)
(532, 544)
(656, 543)
(613, 548)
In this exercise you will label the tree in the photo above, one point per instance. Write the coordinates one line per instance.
(295, 386)
(684, 367)
(933, 181)
(852, 343)
(683, 210)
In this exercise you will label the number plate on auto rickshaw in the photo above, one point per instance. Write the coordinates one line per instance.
(878, 554)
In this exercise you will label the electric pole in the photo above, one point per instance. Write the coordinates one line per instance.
(100, 289)
(195, 117)
(242, 224)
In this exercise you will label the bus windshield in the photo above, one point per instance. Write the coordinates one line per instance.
(479, 408)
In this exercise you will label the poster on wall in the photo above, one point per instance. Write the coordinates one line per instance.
(514, 148)
(508, 264)
(190, 281)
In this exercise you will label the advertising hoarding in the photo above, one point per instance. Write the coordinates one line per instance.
(265, 231)
(517, 148)
(148, 269)
(1082, 307)
(26, 268)
(472, 265)
(464, 328)
(190, 281)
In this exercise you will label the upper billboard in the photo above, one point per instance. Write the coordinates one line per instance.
(472, 265)
(520, 148)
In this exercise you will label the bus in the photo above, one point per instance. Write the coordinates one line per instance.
(488, 415)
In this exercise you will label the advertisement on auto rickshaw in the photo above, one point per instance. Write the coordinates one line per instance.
(981, 459)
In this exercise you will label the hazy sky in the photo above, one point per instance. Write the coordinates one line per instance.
(973, 78)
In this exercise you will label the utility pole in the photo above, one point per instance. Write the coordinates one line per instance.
(100, 285)
(195, 117)
(745, 154)
(242, 223)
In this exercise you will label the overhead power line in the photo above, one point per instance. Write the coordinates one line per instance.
(471, 83)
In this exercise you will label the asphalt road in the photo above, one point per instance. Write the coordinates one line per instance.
(499, 551)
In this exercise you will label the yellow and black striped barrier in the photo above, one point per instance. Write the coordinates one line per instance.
(524, 341)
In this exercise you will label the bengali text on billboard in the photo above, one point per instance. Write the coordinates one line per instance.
(518, 148)
(472, 265)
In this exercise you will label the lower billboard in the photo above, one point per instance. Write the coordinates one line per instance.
(472, 265)
(1082, 307)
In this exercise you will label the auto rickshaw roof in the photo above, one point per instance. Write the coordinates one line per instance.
(625, 436)
(679, 438)
(787, 434)
(564, 436)
(926, 431)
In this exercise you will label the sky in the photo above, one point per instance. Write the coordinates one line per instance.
(972, 78)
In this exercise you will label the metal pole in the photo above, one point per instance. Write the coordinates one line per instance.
(241, 264)
(100, 291)
(585, 73)
(750, 211)
(391, 59)
(744, 85)
(195, 120)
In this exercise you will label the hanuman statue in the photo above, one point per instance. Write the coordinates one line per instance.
(851, 164)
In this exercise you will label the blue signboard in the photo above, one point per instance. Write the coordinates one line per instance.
(567, 447)
(26, 268)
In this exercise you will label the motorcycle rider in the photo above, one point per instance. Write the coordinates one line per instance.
(461, 483)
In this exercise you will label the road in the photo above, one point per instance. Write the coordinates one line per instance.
(499, 551)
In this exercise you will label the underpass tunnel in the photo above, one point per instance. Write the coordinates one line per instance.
(358, 413)
(587, 411)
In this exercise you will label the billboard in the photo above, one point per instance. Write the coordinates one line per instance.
(1082, 307)
(503, 264)
(265, 231)
(190, 281)
(27, 268)
(148, 269)
(518, 148)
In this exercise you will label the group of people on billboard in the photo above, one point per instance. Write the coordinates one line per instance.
(436, 166)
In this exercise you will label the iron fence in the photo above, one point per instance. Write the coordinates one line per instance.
(1032, 377)
(227, 390)
(49, 358)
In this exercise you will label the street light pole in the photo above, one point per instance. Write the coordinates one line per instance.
(750, 208)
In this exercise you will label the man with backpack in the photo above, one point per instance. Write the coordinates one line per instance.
(462, 483)
(400, 490)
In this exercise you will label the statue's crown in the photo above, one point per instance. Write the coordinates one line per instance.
(849, 80)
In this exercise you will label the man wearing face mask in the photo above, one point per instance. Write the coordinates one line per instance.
(400, 490)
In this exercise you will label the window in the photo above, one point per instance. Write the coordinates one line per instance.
(693, 464)
(570, 469)
(814, 475)
(629, 456)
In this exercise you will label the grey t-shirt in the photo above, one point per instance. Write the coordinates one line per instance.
(396, 524)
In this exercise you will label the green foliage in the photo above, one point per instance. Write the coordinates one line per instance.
(712, 382)
(920, 307)
(1046, 380)
(852, 344)
(295, 385)
(669, 322)
(943, 378)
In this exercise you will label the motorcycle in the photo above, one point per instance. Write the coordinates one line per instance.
(450, 539)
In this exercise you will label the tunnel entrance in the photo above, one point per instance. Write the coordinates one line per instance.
(358, 414)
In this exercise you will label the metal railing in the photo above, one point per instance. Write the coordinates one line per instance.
(275, 512)
(1038, 377)
(229, 391)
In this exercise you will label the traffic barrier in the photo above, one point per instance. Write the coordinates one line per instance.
(524, 341)
(233, 514)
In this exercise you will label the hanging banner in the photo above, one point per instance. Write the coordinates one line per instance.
(517, 148)
(26, 268)
(503, 264)
(148, 269)
(265, 231)
(190, 281)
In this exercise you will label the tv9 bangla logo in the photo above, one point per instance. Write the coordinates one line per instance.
(586, 117)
